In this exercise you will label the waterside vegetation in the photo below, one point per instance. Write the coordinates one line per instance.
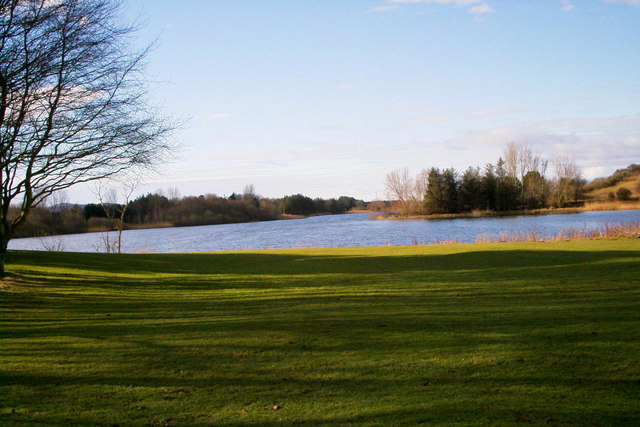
(517, 183)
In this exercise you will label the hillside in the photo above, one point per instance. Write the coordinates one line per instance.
(600, 188)
(632, 182)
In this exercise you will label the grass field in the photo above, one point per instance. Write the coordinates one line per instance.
(500, 334)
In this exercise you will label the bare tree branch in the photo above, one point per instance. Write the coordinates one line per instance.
(72, 102)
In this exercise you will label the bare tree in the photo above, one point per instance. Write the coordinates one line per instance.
(52, 243)
(568, 180)
(400, 187)
(115, 210)
(72, 102)
(56, 200)
(511, 163)
(173, 194)
(525, 166)
(249, 191)
(420, 185)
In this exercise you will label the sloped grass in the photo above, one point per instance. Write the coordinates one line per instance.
(500, 334)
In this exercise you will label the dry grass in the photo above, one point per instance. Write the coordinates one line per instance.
(606, 231)
(158, 224)
(447, 242)
(631, 182)
(613, 205)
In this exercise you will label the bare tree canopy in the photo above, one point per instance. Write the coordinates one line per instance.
(72, 102)
(405, 190)
(568, 180)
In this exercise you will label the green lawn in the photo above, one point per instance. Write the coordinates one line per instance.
(500, 334)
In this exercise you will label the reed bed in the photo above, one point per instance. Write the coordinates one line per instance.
(612, 205)
(606, 231)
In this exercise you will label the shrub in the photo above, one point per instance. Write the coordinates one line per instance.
(623, 193)
(98, 224)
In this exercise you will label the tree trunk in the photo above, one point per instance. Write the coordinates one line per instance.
(3, 254)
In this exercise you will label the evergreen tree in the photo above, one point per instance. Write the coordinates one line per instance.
(450, 190)
(489, 188)
(470, 190)
(507, 188)
(433, 197)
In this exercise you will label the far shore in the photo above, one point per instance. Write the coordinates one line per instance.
(588, 207)
(386, 215)
(167, 224)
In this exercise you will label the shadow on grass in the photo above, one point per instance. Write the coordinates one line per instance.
(282, 263)
(195, 267)
(430, 407)
(446, 334)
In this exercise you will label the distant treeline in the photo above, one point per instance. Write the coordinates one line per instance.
(518, 180)
(156, 209)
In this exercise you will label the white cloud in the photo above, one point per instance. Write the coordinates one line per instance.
(629, 2)
(470, 115)
(598, 143)
(618, 125)
(453, 2)
(387, 8)
(479, 8)
(567, 6)
(415, 108)
(218, 116)
(482, 8)
(325, 168)
(594, 172)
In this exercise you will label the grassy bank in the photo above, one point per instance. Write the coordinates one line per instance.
(511, 333)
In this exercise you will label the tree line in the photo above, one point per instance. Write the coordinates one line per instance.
(159, 209)
(518, 180)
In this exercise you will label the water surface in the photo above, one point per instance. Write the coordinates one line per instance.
(328, 231)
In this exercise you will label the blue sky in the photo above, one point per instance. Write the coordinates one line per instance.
(325, 97)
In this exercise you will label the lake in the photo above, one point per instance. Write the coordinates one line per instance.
(327, 231)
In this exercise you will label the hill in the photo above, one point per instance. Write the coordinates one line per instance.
(600, 188)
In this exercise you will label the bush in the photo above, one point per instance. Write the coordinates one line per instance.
(297, 205)
(623, 193)
(98, 224)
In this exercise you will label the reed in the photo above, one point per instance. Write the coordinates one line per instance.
(606, 231)
(611, 205)
(447, 242)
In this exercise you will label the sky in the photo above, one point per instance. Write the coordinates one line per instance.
(324, 97)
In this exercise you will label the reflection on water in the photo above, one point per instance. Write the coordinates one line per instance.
(328, 231)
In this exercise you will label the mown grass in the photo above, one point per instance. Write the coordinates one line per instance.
(501, 334)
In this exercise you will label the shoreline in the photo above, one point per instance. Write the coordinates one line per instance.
(594, 207)
(167, 224)
(376, 215)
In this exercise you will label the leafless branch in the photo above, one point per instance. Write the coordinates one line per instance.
(73, 107)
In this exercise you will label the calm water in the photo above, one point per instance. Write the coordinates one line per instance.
(329, 231)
